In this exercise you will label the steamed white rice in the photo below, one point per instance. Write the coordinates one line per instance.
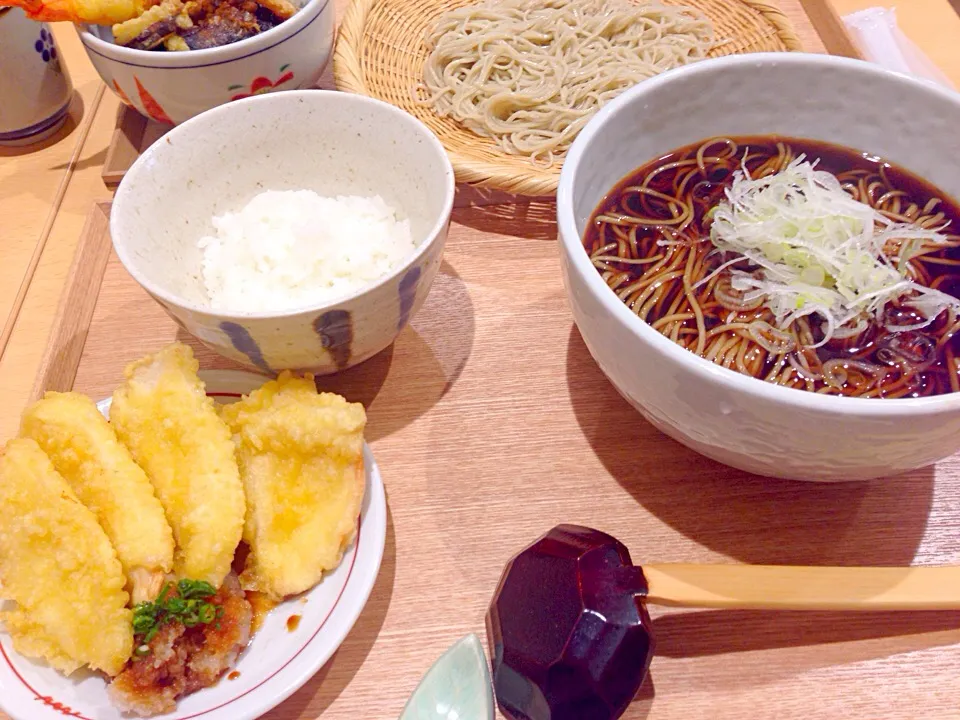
(293, 248)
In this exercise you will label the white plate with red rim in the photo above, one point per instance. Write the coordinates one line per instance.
(277, 661)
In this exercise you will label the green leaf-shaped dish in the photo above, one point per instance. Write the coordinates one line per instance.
(457, 687)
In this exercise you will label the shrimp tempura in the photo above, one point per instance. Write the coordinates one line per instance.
(95, 12)
(57, 564)
(162, 414)
(301, 459)
(99, 469)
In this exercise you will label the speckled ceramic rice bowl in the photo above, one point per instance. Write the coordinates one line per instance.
(329, 142)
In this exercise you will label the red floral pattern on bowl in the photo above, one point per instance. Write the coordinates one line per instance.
(261, 84)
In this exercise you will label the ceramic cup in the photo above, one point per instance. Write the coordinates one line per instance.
(35, 88)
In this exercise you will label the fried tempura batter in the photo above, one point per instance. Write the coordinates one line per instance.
(124, 33)
(100, 470)
(57, 564)
(95, 12)
(162, 414)
(301, 459)
(198, 24)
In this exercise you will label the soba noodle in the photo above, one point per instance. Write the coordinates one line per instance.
(650, 240)
(531, 73)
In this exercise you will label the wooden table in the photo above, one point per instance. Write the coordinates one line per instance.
(709, 664)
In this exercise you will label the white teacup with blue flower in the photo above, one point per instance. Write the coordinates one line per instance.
(35, 89)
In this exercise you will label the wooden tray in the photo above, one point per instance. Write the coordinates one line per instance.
(816, 22)
(491, 423)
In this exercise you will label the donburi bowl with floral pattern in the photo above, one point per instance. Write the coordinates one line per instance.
(171, 87)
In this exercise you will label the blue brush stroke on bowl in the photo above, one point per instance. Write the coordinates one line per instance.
(457, 687)
(408, 294)
(335, 328)
(243, 342)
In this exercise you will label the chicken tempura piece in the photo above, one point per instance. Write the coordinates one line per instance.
(162, 414)
(301, 460)
(99, 469)
(57, 564)
(95, 12)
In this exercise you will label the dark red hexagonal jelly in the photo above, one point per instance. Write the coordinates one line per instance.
(569, 635)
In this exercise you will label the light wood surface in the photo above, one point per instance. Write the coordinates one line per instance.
(829, 26)
(33, 183)
(61, 358)
(786, 587)
(30, 201)
(491, 424)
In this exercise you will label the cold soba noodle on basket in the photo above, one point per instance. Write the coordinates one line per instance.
(796, 262)
(531, 73)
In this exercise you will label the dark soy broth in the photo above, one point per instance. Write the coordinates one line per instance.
(671, 197)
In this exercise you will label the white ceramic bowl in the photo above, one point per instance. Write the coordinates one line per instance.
(330, 142)
(171, 87)
(735, 419)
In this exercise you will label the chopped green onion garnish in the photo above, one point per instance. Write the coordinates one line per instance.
(185, 602)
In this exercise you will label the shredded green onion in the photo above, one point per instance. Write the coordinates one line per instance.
(819, 250)
(186, 602)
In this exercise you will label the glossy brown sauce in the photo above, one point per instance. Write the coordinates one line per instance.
(233, 675)
(262, 605)
(293, 622)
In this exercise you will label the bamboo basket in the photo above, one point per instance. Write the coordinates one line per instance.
(380, 52)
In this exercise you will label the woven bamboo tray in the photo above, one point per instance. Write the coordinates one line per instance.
(381, 52)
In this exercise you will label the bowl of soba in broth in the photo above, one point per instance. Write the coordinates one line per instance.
(762, 254)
